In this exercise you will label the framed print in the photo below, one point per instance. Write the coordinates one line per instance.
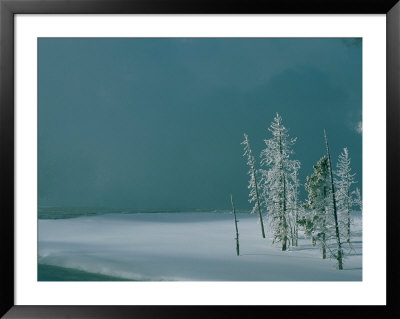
(167, 159)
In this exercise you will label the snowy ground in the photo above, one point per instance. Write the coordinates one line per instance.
(186, 246)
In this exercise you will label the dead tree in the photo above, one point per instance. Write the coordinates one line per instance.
(339, 256)
(236, 227)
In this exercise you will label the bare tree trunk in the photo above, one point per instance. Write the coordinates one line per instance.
(283, 212)
(296, 212)
(284, 223)
(236, 227)
(292, 235)
(348, 216)
(324, 228)
(323, 241)
(348, 227)
(339, 245)
(296, 228)
(258, 202)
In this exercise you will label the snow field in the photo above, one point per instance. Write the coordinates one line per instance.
(187, 246)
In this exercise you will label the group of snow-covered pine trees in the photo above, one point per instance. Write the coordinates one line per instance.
(325, 216)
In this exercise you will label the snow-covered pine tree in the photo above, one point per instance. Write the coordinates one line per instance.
(319, 203)
(276, 175)
(254, 196)
(344, 198)
(339, 256)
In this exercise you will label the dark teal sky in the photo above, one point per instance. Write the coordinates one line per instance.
(157, 123)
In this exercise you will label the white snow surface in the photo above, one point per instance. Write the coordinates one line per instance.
(187, 246)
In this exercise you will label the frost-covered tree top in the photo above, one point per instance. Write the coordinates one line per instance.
(343, 172)
(247, 150)
(279, 147)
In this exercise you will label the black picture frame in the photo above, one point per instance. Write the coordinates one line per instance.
(8, 8)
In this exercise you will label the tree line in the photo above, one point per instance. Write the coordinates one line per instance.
(274, 187)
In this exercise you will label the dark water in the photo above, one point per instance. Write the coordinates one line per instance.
(55, 273)
(64, 213)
